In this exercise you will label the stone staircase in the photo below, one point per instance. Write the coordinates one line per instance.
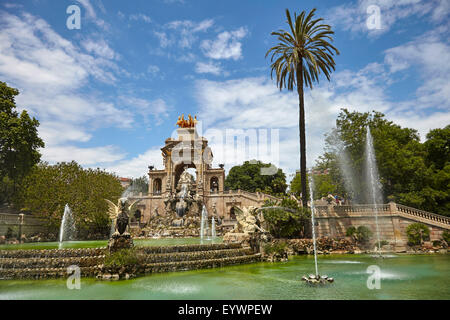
(42, 264)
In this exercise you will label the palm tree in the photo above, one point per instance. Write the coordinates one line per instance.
(297, 60)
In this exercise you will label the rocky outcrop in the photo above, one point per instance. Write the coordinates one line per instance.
(120, 241)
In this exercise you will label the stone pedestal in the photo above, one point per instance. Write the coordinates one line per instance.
(120, 241)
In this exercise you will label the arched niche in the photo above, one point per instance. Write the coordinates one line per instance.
(157, 186)
(214, 185)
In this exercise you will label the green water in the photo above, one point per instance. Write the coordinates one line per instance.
(104, 243)
(402, 277)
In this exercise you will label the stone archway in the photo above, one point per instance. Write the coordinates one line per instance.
(179, 168)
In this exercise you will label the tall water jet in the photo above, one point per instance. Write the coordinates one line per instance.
(67, 228)
(373, 180)
(313, 209)
(346, 171)
(213, 228)
(204, 223)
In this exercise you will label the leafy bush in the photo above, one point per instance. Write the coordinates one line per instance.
(350, 231)
(361, 234)
(417, 233)
(446, 236)
(11, 232)
(286, 223)
(382, 243)
(276, 248)
(437, 243)
(123, 257)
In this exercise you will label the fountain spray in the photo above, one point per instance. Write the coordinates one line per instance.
(67, 228)
(204, 223)
(311, 188)
(372, 177)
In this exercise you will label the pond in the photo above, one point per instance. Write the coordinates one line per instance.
(402, 277)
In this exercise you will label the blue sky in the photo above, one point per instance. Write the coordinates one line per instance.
(109, 94)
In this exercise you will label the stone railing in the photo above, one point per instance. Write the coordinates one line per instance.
(29, 223)
(361, 208)
(256, 196)
(423, 214)
(382, 209)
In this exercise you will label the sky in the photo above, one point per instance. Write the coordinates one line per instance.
(108, 92)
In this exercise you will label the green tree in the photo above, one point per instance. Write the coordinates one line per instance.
(323, 185)
(248, 177)
(301, 55)
(417, 233)
(19, 143)
(361, 234)
(437, 148)
(286, 223)
(138, 185)
(399, 154)
(47, 189)
(411, 173)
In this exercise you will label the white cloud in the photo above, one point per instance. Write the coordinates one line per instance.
(431, 56)
(54, 133)
(209, 67)
(353, 17)
(140, 17)
(182, 33)
(92, 15)
(50, 72)
(153, 70)
(138, 166)
(84, 156)
(226, 46)
(156, 109)
(100, 48)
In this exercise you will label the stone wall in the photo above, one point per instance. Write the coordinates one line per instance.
(393, 219)
(42, 264)
(31, 225)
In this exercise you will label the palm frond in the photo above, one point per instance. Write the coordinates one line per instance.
(306, 44)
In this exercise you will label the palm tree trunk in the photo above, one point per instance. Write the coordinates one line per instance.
(301, 125)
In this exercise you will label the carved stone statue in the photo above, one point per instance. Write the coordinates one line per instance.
(120, 213)
(248, 229)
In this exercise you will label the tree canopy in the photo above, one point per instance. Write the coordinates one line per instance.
(48, 188)
(19, 143)
(248, 177)
(411, 173)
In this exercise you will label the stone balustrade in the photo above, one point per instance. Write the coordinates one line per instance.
(423, 214)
